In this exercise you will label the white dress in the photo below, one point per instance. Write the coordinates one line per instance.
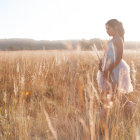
(119, 77)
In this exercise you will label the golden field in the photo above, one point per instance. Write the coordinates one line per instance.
(53, 95)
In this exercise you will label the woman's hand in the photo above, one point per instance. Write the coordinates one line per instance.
(106, 74)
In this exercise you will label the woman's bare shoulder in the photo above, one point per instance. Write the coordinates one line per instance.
(118, 41)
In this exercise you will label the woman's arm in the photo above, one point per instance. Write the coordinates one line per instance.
(119, 44)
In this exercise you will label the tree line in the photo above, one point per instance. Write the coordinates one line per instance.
(83, 44)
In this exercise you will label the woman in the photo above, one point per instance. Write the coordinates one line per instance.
(113, 76)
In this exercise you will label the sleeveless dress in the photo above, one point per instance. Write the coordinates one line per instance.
(119, 77)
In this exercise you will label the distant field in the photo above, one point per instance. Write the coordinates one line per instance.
(53, 95)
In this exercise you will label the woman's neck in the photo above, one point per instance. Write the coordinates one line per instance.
(115, 36)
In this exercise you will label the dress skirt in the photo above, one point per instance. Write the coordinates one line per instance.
(119, 77)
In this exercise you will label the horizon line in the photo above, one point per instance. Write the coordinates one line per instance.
(62, 39)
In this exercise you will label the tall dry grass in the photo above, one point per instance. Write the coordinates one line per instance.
(54, 95)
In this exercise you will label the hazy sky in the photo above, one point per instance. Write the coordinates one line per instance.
(67, 19)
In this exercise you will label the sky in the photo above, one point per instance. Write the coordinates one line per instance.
(67, 19)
